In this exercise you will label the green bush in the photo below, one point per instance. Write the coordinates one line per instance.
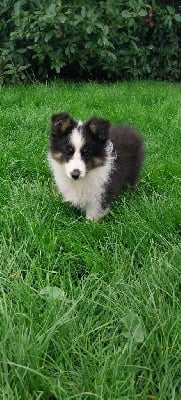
(113, 39)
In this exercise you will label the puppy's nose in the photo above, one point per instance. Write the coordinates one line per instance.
(75, 174)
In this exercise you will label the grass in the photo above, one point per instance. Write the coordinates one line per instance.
(89, 310)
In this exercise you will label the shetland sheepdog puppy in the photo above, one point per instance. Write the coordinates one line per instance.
(92, 161)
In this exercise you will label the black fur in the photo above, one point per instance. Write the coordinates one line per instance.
(128, 146)
(98, 128)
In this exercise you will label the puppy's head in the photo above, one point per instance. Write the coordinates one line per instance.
(79, 147)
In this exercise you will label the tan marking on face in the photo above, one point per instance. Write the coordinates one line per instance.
(57, 156)
(94, 163)
(98, 162)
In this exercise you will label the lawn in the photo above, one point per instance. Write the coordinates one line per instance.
(90, 310)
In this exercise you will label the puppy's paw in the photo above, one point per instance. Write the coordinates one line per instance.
(94, 215)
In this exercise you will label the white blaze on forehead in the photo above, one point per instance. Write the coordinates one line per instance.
(80, 124)
(76, 138)
(76, 162)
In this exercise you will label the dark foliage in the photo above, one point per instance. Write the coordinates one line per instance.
(110, 39)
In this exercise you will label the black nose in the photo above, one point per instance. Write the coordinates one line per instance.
(75, 174)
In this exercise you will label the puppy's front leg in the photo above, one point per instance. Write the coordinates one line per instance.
(95, 212)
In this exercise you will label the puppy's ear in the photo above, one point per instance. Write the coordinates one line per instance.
(62, 123)
(99, 128)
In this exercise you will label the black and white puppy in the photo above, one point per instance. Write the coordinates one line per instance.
(93, 162)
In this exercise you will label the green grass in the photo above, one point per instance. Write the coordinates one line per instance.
(72, 342)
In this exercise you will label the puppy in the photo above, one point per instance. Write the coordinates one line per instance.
(92, 162)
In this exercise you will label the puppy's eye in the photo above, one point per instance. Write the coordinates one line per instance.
(69, 152)
(85, 154)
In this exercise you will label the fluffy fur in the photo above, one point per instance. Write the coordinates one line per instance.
(93, 162)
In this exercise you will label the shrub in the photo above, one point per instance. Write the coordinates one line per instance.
(113, 39)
